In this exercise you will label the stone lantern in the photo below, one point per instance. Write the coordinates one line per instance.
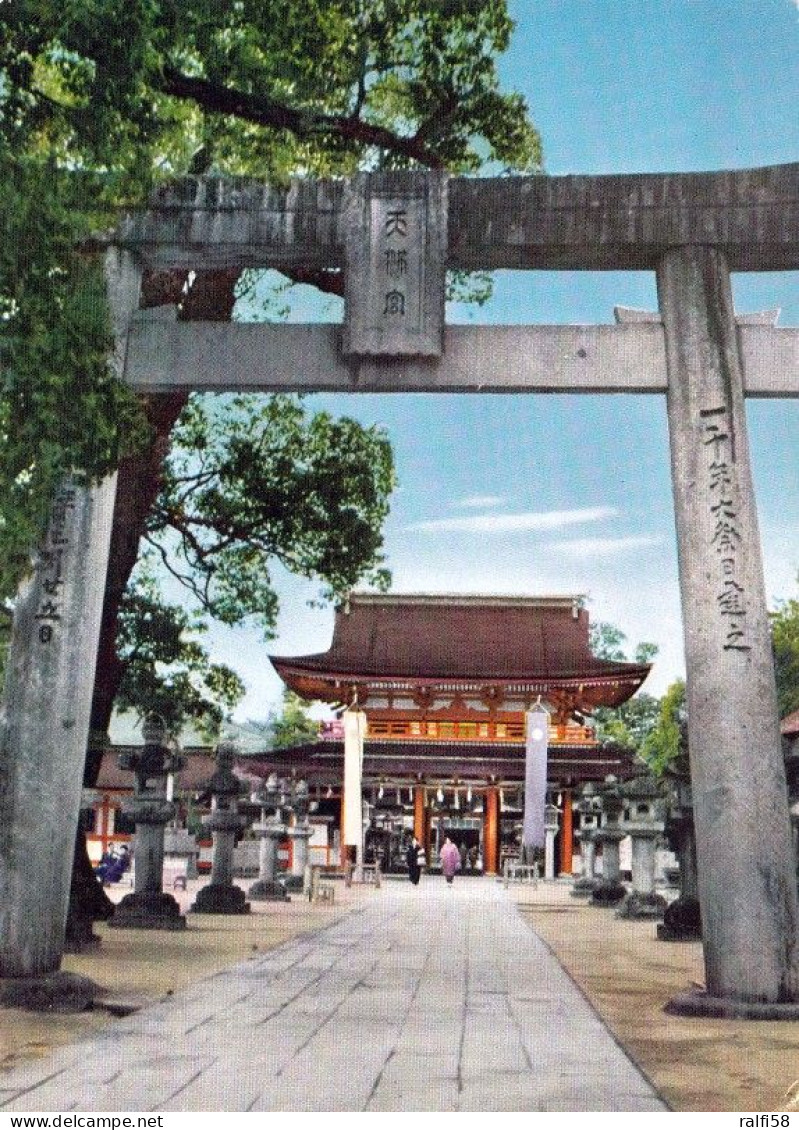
(221, 896)
(299, 832)
(588, 808)
(551, 825)
(644, 824)
(149, 907)
(682, 919)
(610, 889)
(273, 794)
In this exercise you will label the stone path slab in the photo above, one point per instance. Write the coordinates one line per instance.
(433, 998)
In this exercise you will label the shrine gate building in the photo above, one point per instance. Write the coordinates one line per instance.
(444, 682)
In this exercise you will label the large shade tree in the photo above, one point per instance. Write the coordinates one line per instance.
(99, 99)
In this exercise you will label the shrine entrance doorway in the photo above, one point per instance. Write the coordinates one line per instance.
(466, 832)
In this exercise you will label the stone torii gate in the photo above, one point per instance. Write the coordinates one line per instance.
(394, 235)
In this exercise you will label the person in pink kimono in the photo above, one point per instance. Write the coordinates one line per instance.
(450, 859)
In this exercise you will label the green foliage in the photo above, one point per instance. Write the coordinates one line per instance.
(61, 410)
(165, 667)
(667, 742)
(606, 641)
(785, 642)
(630, 723)
(267, 85)
(291, 726)
(645, 653)
(99, 100)
(259, 481)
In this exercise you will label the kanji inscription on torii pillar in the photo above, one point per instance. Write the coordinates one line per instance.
(395, 248)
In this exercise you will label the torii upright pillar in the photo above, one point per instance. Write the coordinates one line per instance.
(44, 719)
(747, 884)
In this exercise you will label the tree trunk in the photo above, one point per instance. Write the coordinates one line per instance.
(137, 489)
(210, 298)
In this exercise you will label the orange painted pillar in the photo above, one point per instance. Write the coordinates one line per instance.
(491, 832)
(566, 834)
(419, 816)
(102, 818)
(342, 845)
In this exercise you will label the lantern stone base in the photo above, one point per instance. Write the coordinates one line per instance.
(608, 893)
(294, 883)
(148, 910)
(267, 890)
(638, 904)
(218, 898)
(699, 1003)
(682, 922)
(56, 992)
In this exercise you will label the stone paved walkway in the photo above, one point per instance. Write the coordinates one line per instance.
(433, 998)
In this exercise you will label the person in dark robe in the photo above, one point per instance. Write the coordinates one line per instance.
(412, 858)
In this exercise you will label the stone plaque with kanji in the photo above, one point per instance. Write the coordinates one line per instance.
(395, 248)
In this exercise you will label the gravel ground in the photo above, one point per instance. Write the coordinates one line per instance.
(628, 975)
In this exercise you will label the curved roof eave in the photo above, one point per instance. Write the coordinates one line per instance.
(604, 672)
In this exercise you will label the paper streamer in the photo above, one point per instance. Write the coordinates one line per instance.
(354, 730)
(535, 776)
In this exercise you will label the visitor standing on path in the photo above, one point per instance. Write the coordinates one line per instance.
(414, 857)
(450, 859)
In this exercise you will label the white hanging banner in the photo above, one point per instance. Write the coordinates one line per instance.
(535, 776)
(354, 731)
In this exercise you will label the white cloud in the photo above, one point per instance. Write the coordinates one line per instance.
(479, 501)
(603, 547)
(515, 523)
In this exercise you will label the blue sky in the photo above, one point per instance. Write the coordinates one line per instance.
(563, 494)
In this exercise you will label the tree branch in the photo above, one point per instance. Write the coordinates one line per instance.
(330, 280)
(187, 582)
(360, 99)
(435, 124)
(268, 112)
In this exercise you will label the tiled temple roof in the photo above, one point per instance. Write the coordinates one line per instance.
(462, 638)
